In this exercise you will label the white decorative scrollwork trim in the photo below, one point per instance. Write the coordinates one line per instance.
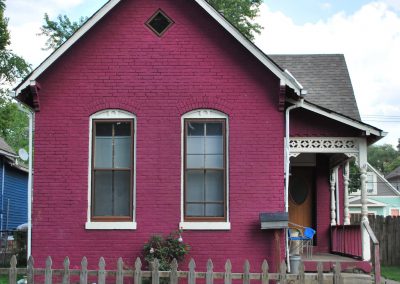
(324, 145)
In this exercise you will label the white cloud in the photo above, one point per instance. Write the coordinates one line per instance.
(326, 5)
(370, 41)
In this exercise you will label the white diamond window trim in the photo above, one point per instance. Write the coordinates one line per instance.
(159, 23)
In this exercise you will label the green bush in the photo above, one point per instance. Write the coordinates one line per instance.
(165, 249)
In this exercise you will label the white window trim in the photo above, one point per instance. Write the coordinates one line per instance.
(374, 184)
(202, 114)
(130, 225)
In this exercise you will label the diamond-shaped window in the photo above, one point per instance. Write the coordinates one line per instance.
(159, 23)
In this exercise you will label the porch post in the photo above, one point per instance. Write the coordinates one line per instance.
(346, 178)
(362, 161)
(333, 203)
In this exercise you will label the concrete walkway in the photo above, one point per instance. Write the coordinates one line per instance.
(388, 281)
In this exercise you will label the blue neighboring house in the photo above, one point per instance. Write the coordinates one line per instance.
(13, 189)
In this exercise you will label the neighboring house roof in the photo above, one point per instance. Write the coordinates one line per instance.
(326, 79)
(285, 77)
(356, 202)
(394, 174)
(6, 149)
(383, 185)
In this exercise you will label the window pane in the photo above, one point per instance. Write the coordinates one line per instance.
(214, 186)
(103, 152)
(214, 145)
(195, 162)
(104, 128)
(195, 145)
(214, 210)
(122, 152)
(214, 161)
(122, 180)
(195, 186)
(122, 128)
(195, 129)
(103, 193)
(194, 210)
(214, 129)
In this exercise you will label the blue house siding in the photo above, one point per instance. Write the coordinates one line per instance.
(14, 197)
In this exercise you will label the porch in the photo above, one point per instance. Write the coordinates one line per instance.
(329, 260)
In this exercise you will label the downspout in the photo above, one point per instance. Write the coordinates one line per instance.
(287, 164)
(31, 117)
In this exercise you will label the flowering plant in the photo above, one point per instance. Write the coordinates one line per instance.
(165, 249)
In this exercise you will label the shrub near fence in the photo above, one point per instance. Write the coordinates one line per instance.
(66, 275)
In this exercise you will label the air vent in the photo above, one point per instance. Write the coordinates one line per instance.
(159, 23)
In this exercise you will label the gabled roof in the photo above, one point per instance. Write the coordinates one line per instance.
(384, 180)
(286, 79)
(5, 149)
(356, 202)
(394, 173)
(326, 79)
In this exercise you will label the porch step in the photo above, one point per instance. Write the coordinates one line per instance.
(352, 266)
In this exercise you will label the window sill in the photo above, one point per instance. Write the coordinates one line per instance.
(110, 226)
(205, 225)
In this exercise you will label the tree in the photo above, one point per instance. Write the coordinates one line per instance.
(241, 13)
(13, 123)
(384, 158)
(59, 30)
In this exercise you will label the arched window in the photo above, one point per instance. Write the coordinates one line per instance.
(112, 170)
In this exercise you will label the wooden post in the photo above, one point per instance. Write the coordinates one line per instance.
(173, 277)
(265, 275)
(333, 202)
(120, 271)
(66, 273)
(282, 275)
(228, 272)
(337, 274)
(30, 271)
(192, 273)
(209, 274)
(155, 273)
(101, 276)
(48, 273)
(346, 180)
(320, 275)
(138, 271)
(12, 273)
(246, 272)
(83, 275)
(302, 277)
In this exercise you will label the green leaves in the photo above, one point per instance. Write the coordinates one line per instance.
(384, 158)
(59, 30)
(241, 14)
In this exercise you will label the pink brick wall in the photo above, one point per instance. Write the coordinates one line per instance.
(121, 64)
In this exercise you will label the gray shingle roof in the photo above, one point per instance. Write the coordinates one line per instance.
(325, 77)
(5, 147)
(394, 173)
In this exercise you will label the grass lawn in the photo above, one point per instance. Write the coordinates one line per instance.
(391, 272)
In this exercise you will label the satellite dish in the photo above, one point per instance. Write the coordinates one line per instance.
(23, 154)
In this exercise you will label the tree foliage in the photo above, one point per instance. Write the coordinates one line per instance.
(240, 13)
(384, 158)
(59, 30)
(13, 123)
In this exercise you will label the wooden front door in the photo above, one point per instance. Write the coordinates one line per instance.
(301, 191)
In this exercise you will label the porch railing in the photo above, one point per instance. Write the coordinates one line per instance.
(375, 252)
(346, 240)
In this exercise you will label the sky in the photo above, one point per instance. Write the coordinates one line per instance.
(366, 32)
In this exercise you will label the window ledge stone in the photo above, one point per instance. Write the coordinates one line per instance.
(110, 226)
(205, 226)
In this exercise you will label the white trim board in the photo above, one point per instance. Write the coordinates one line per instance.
(285, 77)
(340, 118)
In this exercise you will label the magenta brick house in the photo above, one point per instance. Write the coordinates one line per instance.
(158, 115)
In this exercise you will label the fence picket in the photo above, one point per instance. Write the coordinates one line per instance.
(12, 273)
(192, 273)
(120, 271)
(246, 272)
(302, 278)
(209, 274)
(138, 271)
(173, 277)
(155, 274)
(66, 274)
(337, 276)
(265, 275)
(282, 274)
(48, 273)
(228, 272)
(101, 276)
(30, 273)
(83, 275)
(320, 276)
